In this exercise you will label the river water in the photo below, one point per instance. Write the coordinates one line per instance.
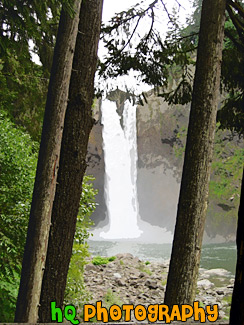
(213, 255)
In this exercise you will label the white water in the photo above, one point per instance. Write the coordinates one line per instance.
(120, 155)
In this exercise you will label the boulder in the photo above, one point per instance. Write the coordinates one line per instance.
(205, 284)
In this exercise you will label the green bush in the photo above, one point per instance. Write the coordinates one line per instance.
(99, 260)
(18, 156)
(76, 293)
(17, 167)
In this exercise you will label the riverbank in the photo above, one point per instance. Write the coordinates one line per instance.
(129, 280)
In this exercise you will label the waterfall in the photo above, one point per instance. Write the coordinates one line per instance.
(120, 155)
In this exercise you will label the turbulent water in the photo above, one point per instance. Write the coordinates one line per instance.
(213, 255)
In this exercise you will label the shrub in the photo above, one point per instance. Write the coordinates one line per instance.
(18, 156)
(99, 260)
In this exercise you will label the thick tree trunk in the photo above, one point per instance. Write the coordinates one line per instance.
(192, 206)
(237, 305)
(77, 127)
(47, 167)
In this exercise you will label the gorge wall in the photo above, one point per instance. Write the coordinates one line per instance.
(161, 135)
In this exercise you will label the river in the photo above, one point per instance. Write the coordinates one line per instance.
(213, 255)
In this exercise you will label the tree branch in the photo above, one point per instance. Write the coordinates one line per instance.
(237, 6)
(236, 22)
(131, 36)
(151, 27)
(239, 46)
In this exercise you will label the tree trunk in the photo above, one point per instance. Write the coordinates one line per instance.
(237, 305)
(77, 127)
(47, 167)
(192, 206)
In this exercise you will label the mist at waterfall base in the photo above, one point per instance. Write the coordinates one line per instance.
(120, 155)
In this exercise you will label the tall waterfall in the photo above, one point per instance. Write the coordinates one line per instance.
(120, 154)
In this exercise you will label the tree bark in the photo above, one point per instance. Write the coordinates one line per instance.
(192, 205)
(47, 167)
(77, 127)
(237, 305)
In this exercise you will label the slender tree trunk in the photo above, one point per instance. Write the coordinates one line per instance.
(237, 305)
(77, 127)
(47, 167)
(192, 206)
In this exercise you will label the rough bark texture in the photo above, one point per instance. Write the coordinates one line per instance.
(192, 206)
(237, 305)
(46, 175)
(77, 127)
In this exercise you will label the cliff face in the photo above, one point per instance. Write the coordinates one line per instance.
(95, 161)
(159, 169)
(161, 136)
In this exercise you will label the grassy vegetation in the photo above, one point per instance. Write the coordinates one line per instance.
(99, 260)
(144, 269)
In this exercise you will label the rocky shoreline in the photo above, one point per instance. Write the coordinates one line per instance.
(129, 280)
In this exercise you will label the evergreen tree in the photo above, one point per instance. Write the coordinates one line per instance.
(192, 206)
(24, 83)
(158, 60)
(47, 167)
(77, 127)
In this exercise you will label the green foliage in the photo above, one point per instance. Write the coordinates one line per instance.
(231, 115)
(150, 55)
(224, 188)
(76, 292)
(229, 167)
(17, 166)
(8, 296)
(179, 147)
(157, 60)
(17, 170)
(24, 83)
(22, 21)
(144, 269)
(99, 260)
(87, 207)
(23, 92)
(111, 298)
